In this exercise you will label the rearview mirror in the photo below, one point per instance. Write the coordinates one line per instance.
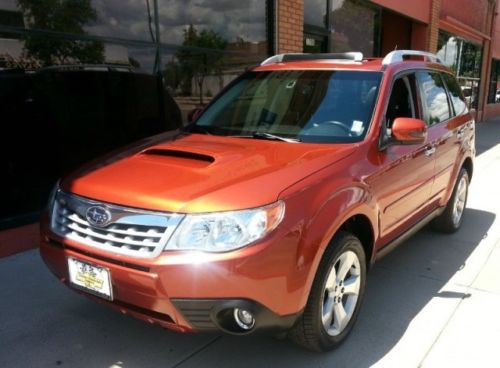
(409, 131)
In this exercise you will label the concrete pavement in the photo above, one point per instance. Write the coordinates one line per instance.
(433, 302)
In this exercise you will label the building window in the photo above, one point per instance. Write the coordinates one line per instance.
(110, 72)
(464, 58)
(342, 26)
(494, 90)
(355, 26)
(316, 25)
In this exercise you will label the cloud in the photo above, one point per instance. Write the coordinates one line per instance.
(129, 19)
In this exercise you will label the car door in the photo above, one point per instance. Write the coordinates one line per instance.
(450, 131)
(405, 175)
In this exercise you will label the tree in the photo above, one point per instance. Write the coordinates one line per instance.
(172, 75)
(196, 63)
(134, 63)
(66, 16)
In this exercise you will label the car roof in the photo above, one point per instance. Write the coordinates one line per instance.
(395, 62)
(321, 64)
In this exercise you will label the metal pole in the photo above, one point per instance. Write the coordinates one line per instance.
(158, 62)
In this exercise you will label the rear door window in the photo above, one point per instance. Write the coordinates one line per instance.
(434, 97)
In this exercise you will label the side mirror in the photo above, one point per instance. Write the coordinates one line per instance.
(409, 131)
(194, 114)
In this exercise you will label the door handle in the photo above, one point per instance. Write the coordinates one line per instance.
(429, 151)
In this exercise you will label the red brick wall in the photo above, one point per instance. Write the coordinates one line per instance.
(419, 36)
(416, 9)
(392, 40)
(496, 38)
(290, 25)
(433, 28)
(473, 13)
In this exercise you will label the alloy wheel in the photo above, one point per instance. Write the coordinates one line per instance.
(459, 201)
(341, 292)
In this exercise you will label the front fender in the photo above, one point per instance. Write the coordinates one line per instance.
(320, 210)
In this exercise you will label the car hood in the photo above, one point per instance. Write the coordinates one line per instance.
(203, 173)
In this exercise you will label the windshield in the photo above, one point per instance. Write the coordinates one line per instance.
(321, 106)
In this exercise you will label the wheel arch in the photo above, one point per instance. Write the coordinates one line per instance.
(362, 221)
(468, 165)
(361, 227)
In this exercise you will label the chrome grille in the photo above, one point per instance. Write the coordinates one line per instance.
(130, 231)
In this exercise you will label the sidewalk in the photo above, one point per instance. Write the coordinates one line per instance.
(459, 326)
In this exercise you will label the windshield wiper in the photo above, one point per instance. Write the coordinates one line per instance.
(275, 137)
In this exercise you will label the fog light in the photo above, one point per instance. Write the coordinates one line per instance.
(244, 318)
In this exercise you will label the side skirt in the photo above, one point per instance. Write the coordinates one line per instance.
(389, 247)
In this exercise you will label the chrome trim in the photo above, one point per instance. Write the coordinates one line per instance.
(345, 56)
(132, 232)
(398, 55)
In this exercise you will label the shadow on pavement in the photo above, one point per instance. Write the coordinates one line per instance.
(398, 287)
(62, 328)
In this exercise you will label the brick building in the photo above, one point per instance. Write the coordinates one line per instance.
(108, 71)
(465, 34)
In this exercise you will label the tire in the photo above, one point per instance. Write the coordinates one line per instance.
(452, 217)
(310, 331)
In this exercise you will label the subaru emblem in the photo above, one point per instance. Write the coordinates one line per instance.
(98, 216)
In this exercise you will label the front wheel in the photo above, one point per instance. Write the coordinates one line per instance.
(451, 218)
(335, 297)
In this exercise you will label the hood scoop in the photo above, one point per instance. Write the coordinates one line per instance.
(194, 159)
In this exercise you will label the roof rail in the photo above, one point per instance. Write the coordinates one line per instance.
(281, 58)
(398, 55)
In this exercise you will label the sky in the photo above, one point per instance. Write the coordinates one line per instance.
(232, 19)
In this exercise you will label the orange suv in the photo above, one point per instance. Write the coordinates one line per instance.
(265, 213)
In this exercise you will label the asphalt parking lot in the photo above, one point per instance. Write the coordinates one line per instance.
(433, 302)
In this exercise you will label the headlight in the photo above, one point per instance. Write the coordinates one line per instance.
(224, 231)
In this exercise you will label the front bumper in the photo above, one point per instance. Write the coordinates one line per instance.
(195, 292)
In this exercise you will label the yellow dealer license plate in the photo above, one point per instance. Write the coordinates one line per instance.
(90, 278)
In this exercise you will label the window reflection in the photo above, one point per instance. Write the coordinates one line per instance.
(434, 96)
(464, 58)
(315, 13)
(313, 106)
(79, 78)
(123, 19)
(354, 26)
(341, 26)
(457, 98)
(238, 21)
